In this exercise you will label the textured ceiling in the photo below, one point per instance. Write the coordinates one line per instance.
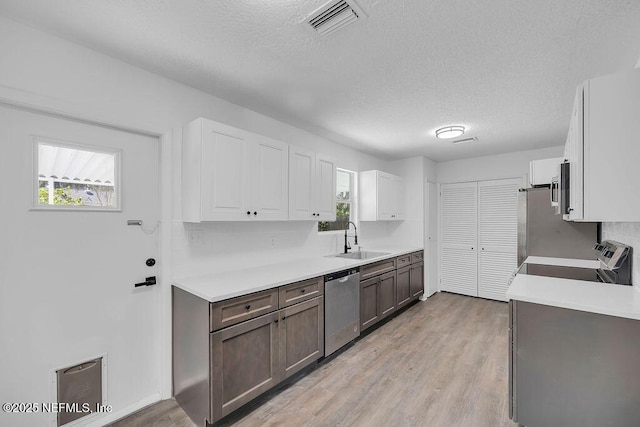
(505, 69)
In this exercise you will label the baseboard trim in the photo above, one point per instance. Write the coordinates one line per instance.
(115, 416)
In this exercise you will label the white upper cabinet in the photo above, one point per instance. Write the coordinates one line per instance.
(229, 174)
(270, 190)
(325, 189)
(542, 172)
(400, 208)
(603, 150)
(312, 186)
(381, 196)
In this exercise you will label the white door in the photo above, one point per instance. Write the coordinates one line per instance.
(325, 209)
(67, 277)
(225, 173)
(302, 176)
(270, 189)
(431, 239)
(498, 236)
(459, 239)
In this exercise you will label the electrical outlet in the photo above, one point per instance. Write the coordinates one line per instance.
(195, 237)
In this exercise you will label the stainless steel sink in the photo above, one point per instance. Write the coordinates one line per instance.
(362, 255)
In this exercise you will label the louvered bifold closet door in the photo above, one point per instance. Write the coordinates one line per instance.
(458, 254)
(498, 236)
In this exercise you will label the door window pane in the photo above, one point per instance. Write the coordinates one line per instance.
(76, 177)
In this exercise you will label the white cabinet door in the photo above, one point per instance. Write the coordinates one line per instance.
(498, 236)
(386, 202)
(312, 186)
(325, 189)
(225, 174)
(302, 173)
(399, 201)
(270, 190)
(381, 196)
(459, 238)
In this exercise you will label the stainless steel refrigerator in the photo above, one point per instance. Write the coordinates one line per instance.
(543, 233)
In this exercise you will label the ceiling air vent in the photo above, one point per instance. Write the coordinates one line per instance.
(334, 15)
(463, 140)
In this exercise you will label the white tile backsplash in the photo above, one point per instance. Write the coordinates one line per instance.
(629, 234)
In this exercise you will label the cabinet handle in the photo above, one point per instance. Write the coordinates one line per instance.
(284, 317)
(248, 307)
(303, 290)
(471, 247)
(248, 213)
(275, 321)
(255, 213)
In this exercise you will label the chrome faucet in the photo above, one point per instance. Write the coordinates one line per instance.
(355, 238)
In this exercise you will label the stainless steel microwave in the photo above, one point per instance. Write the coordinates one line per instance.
(560, 190)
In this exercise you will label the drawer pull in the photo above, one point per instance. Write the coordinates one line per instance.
(248, 307)
(303, 290)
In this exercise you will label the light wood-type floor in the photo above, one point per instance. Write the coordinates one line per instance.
(443, 362)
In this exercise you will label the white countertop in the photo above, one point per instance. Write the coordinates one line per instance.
(224, 285)
(594, 297)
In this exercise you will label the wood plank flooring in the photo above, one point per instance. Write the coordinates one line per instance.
(443, 362)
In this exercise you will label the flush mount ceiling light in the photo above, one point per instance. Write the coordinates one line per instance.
(449, 132)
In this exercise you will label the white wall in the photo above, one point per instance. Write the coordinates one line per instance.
(509, 165)
(410, 232)
(45, 72)
(627, 233)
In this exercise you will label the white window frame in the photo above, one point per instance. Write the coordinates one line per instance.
(35, 178)
(354, 202)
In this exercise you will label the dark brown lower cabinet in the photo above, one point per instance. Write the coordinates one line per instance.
(244, 363)
(387, 292)
(251, 357)
(301, 335)
(403, 288)
(377, 299)
(369, 313)
(416, 279)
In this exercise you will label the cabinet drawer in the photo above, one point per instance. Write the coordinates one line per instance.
(403, 260)
(236, 310)
(417, 257)
(377, 268)
(301, 291)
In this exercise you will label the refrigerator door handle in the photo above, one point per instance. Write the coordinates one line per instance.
(553, 194)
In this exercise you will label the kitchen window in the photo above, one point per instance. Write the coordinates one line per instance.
(345, 202)
(75, 177)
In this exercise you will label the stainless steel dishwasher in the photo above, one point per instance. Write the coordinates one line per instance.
(341, 309)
